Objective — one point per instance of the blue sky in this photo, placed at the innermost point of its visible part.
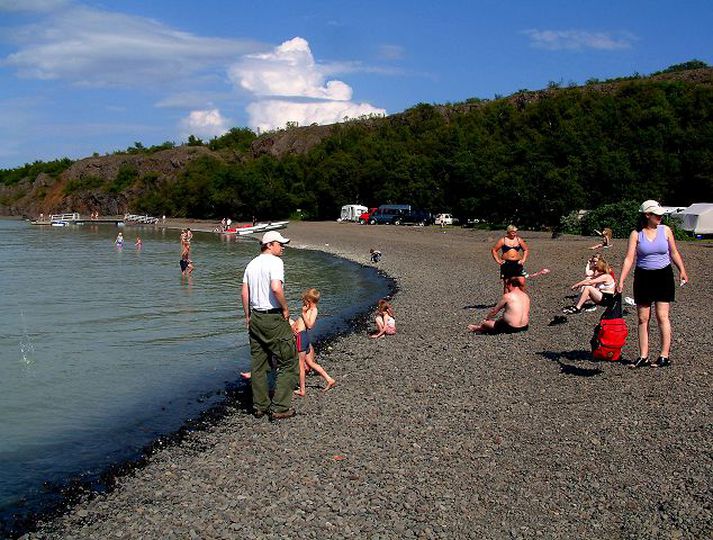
(78, 77)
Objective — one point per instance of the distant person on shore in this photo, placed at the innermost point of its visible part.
(599, 289)
(516, 317)
(301, 328)
(267, 318)
(374, 255)
(385, 320)
(119, 242)
(652, 248)
(606, 241)
(514, 253)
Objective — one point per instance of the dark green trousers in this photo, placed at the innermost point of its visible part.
(271, 336)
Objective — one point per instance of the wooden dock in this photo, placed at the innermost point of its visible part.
(75, 218)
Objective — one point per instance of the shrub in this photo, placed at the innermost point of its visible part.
(619, 217)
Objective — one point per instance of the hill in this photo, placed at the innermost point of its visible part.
(530, 157)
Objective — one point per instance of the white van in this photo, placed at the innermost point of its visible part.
(351, 212)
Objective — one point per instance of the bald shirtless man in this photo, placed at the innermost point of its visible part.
(516, 317)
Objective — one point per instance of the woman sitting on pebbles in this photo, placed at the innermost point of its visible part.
(514, 252)
(599, 288)
(385, 321)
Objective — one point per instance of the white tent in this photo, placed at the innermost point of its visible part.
(697, 218)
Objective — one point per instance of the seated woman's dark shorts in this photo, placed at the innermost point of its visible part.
(511, 269)
(654, 286)
(502, 327)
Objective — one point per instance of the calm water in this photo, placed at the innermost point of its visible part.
(103, 349)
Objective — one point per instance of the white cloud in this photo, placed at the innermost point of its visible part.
(579, 39)
(274, 114)
(290, 71)
(95, 47)
(206, 123)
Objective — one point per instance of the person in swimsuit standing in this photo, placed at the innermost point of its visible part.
(301, 328)
(514, 253)
(653, 248)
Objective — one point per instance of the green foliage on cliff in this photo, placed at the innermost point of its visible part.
(504, 161)
(529, 159)
(30, 171)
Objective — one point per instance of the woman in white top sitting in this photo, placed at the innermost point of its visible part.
(599, 288)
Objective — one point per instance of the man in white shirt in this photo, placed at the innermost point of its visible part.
(267, 317)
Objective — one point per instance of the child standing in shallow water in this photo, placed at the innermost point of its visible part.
(301, 328)
(385, 321)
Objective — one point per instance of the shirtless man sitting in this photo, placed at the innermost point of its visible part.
(516, 317)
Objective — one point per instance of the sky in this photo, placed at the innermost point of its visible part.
(79, 77)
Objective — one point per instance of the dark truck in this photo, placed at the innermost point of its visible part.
(415, 217)
(388, 214)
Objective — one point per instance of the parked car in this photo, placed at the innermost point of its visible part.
(415, 217)
(364, 217)
(386, 216)
(445, 219)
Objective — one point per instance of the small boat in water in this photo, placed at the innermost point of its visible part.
(59, 223)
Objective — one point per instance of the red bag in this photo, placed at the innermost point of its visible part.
(609, 338)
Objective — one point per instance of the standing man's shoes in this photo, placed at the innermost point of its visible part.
(259, 414)
(289, 413)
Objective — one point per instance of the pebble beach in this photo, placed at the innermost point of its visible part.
(438, 433)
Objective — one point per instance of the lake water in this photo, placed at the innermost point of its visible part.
(104, 349)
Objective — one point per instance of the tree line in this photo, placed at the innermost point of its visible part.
(523, 159)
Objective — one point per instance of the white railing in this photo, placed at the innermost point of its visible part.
(74, 216)
(140, 219)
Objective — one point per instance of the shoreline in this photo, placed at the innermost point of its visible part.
(443, 434)
(81, 489)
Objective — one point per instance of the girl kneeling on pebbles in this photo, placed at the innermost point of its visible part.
(653, 247)
(385, 322)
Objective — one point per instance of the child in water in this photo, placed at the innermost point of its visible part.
(385, 321)
(301, 328)
(119, 242)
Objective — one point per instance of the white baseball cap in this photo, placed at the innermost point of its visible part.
(274, 236)
(652, 207)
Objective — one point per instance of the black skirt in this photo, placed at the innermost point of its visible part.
(654, 286)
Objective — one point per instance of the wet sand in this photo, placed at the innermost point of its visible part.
(438, 433)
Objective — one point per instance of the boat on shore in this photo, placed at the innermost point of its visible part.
(257, 228)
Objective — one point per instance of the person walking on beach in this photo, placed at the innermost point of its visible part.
(652, 247)
(385, 320)
(267, 318)
(516, 317)
(301, 327)
(514, 253)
